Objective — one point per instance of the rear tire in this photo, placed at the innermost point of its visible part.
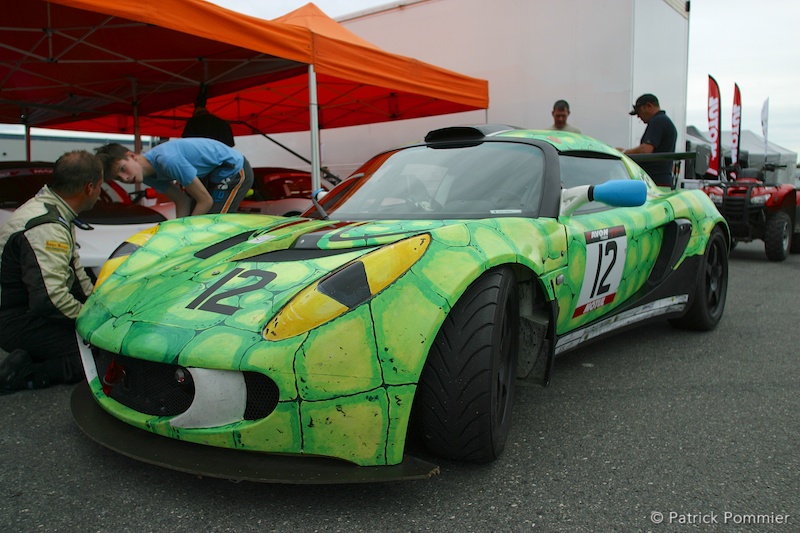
(778, 236)
(711, 289)
(466, 390)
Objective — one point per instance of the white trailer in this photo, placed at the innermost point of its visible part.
(599, 55)
(49, 145)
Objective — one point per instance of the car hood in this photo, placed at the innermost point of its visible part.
(106, 214)
(232, 273)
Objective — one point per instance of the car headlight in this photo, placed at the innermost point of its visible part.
(761, 199)
(348, 287)
(122, 253)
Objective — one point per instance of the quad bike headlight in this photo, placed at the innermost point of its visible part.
(346, 288)
(716, 198)
(761, 199)
(122, 253)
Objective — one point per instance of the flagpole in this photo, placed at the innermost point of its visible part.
(765, 127)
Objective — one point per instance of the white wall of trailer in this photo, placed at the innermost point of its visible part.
(661, 60)
(597, 54)
(49, 145)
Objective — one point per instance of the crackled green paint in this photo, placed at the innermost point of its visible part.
(346, 385)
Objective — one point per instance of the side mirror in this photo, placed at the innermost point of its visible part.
(616, 193)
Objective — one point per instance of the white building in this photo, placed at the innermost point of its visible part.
(599, 55)
(49, 145)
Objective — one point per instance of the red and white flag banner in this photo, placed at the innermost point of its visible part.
(714, 123)
(736, 127)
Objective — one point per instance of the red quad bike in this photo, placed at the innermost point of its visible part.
(755, 209)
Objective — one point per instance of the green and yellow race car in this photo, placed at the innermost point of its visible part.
(414, 295)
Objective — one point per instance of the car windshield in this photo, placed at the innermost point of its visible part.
(481, 180)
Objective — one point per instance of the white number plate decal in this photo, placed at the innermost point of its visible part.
(605, 261)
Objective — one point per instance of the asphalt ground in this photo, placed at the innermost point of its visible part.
(655, 430)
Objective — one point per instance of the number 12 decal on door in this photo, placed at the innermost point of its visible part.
(605, 260)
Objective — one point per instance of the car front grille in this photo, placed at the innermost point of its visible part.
(161, 389)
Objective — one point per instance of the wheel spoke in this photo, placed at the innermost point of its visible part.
(715, 277)
(711, 287)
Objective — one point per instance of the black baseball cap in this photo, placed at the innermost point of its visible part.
(646, 98)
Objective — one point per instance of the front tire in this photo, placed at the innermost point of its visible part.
(778, 236)
(711, 289)
(466, 390)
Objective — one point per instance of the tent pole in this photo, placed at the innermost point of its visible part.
(314, 120)
(137, 136)
(27, 142)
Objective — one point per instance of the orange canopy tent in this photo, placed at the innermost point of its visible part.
(97, 64)
(356, 83)
(94, 65)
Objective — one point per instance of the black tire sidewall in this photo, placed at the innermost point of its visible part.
(507, 317)
(718, 241)
(457, 408)
(699, 316)
(778, 224)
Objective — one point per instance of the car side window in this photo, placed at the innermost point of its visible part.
(15, 191)
(577, 170)
(288, 187)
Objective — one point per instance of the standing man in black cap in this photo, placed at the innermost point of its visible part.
(659, 137)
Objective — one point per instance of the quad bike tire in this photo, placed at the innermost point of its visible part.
(466, 390)
(778, 236)
(711, 288)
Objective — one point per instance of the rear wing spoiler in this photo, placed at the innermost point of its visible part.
(694, 161)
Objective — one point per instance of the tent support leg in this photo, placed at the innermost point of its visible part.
(313, 109)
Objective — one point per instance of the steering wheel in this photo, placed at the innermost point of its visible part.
(138, 195)
(506, 198)
(428, 204)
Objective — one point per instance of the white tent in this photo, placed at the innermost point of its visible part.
(753, 152)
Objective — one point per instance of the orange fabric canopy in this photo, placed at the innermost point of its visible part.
(94, 65)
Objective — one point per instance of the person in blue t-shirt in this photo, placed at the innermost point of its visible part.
(199, 175)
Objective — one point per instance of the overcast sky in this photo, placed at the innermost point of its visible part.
(749, 42)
